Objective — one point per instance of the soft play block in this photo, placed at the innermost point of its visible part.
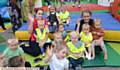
(110, 25)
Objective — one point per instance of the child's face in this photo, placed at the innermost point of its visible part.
(86, 16)
(62, 53)
(61, 28)
(97, 25)
(86, 30)
(13, 46)
(63, 9)
(74, 38)
(58, 37)
(52, 9)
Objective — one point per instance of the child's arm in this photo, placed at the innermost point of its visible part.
(2, 56)
(49, 54)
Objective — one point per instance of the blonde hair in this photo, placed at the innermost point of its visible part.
(98, 21)
(60, 46)
(85, 26)
(74, 33)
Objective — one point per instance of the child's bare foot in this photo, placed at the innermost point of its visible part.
(93, 57)
(105, 57)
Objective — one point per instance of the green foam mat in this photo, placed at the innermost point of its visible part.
(3, 47)
(97, 62)
(31, 60)
(2, 39)
(115, 46)
(113, 59)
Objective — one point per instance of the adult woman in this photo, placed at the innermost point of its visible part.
(34, 48)
(86, 19)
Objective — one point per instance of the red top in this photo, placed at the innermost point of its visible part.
(35, 25)
(97, 33)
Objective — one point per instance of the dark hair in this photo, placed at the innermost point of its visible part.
(86, 11)
(36, 10)
(15, 61)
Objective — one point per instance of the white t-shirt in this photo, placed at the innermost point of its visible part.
(57, 64)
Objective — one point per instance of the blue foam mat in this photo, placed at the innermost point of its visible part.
(4, 12)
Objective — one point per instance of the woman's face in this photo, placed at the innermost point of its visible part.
(39, 14)
(86, 16)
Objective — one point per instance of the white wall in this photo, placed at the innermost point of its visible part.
(105, 2)
(38, 3)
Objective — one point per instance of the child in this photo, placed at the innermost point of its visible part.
(78, 2)
(86, 18)
(57, 60)
(98, 35)
(42, 37)
(63, 16)
(16, 61)
(86, 37)
(12, 50)
(65, 36)
(76, 50)
(53, 19)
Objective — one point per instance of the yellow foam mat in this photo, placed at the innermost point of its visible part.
(110, 35)
(8, 26)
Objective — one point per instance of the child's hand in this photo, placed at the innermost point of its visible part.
(94, 32)
(86, 43)
(49, 51)
(98, 33)
(41, 44)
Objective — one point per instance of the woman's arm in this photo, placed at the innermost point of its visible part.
(30, 23)
(78, 25)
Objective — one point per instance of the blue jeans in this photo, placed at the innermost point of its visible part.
(75, 62)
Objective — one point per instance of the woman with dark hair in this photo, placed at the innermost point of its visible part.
(86, 19)
(33, 48)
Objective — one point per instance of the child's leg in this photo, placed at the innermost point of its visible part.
(102, 45)
(86, 52)
(73, 62)
(93, 49)
(89, 53)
